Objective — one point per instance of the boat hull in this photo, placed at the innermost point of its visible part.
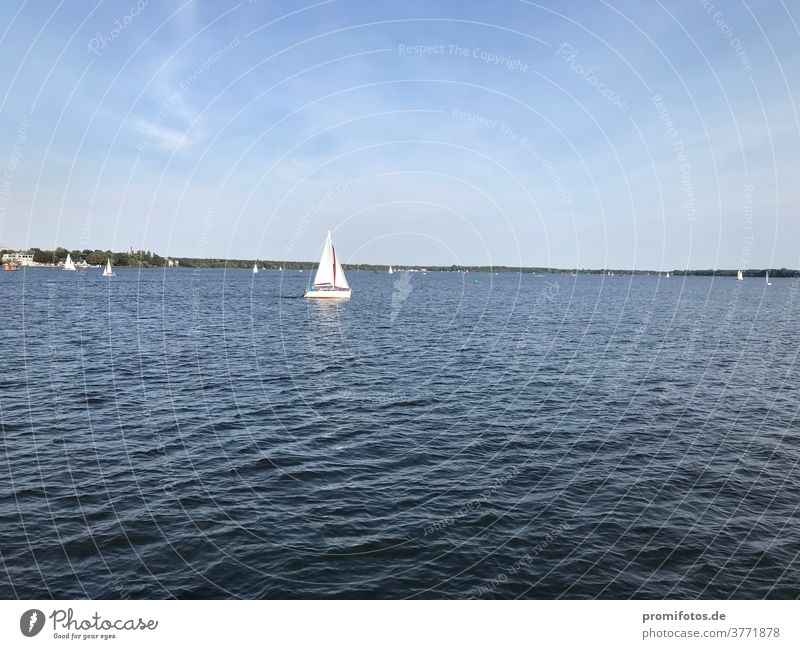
(336, 294)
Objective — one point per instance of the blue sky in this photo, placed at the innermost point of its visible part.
(621, 134)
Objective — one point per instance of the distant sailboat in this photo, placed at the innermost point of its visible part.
(667, 275)
(255, 268)
(390, 270)
(69, 264)
(329, 281)
(280, 268)
(739, 276)
(767, 280)
(108, 272)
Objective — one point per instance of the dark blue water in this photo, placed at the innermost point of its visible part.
(210, 434)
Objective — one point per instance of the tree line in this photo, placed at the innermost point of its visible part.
(148, 259)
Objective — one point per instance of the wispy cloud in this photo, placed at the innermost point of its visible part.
(166, 139)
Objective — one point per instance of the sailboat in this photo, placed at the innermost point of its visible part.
(255, 268)
(69, 264)
(329, 281)
(280, 268)
(739, 275)
(767, 280)
(667, 275)
(108, 272)
(390, 270)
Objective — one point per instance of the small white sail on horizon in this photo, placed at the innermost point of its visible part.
(255, 268)
(739, 276)
(108, 272)
(69, 264)
(329, 282)
(391, 270)
(767, 280)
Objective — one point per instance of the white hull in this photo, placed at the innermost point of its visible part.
(338, 294)
(329, 282)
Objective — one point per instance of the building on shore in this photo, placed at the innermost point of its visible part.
(19, 258)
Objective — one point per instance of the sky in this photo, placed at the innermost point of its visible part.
(621, 134)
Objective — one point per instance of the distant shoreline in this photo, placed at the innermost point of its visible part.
(147, 259)
(377, 268)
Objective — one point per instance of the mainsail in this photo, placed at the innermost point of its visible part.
(329, 272)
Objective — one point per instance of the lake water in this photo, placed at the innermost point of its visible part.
(209, 433)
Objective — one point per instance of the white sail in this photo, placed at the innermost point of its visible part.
(255, 268)
(739, 275)
(767, 280)
(326, 268)
(108, 272)
(69, 264)
(339, 280)
(390, 270)
(330, 281)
